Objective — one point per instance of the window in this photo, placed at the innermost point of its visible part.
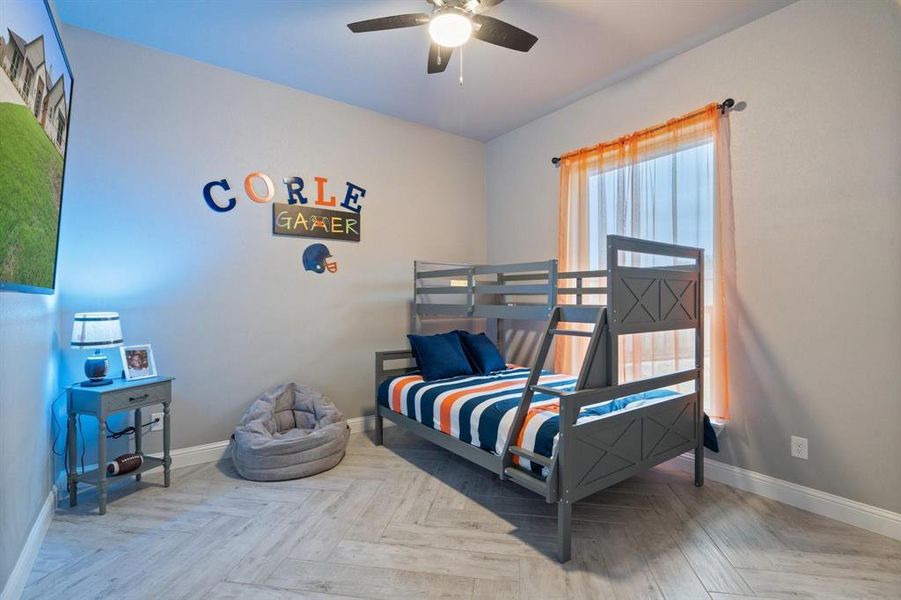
(15, 64)
(667, 198)
(669, 183)
(26, 85)
(37, 101)
(60, 127)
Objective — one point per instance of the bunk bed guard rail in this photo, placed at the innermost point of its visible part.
(517, 291)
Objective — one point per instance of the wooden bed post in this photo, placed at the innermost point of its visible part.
(564, 481)
(699, 382)
(379, 376)
(612, 317)
(499, 323)
(379, 425)
(564, 530)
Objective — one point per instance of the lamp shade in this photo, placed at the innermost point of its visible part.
(96, 330)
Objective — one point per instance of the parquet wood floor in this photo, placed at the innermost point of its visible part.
(409, 520)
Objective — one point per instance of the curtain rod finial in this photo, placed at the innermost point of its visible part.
(727, 104)
(555, 161)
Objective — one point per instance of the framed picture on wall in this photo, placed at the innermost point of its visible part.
(35, 98)
(137, 362)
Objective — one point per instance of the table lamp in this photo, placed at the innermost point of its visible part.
(94, 331)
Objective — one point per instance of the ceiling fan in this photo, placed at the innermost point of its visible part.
(451, 24)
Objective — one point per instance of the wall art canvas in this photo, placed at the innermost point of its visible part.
(35, 102)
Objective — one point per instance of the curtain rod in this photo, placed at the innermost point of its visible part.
(725, 105)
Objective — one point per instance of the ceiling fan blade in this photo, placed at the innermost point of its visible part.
(439, 56)
(489, 3)
(394, 22)
(497, 32)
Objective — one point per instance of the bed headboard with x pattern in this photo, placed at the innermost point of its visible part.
(648, 299)
(659, 298)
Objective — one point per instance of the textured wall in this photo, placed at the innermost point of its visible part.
(228, 308)
(28, 369)
(817, 349)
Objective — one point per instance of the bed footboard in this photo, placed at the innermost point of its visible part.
(609, 450)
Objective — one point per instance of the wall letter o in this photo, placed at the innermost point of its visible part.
(208, 196)
(248, 187)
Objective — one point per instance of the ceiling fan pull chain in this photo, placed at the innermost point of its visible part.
(461, 66)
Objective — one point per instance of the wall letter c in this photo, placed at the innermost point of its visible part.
(208, 196)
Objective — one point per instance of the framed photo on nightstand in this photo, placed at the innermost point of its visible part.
(137, 362)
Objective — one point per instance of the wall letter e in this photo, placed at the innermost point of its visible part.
(352, 198)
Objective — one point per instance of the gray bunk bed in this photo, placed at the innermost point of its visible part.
(596, 454)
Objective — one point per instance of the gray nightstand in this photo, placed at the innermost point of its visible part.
(101, 402)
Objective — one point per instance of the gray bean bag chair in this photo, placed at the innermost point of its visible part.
(290, 432)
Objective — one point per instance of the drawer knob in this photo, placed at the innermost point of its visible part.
(138, 398)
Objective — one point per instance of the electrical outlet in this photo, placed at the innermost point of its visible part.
(799, 447)
(158, 426)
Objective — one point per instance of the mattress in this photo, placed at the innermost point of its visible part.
(479, 410)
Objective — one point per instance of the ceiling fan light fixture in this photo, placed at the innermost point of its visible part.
(450, 28)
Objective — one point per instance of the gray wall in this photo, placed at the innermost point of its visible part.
(28, 385)
(228, 308)
(28, 369)
(817, 347)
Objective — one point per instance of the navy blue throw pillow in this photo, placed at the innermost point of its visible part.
(482, 353)
(710, 440)
(439, 356)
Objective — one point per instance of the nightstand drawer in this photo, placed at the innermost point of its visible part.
(134, 398)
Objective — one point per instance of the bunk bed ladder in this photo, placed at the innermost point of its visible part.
(521, 477)
(593, 373)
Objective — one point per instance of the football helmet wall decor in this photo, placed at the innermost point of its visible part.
(316, 258)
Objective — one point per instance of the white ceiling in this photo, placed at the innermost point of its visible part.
(582, 46)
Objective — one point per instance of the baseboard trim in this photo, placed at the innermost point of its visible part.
(198, 455)
(871, 518)
(364, 424)
(21, 571)
(212, 452)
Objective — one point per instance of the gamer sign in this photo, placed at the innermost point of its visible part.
(304, 221)
(299, 216)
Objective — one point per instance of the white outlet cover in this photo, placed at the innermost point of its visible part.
(159, 425)
(799, 447)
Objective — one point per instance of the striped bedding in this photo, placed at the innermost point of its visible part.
(479, 409)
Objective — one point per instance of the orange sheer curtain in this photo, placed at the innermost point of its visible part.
(628, 158)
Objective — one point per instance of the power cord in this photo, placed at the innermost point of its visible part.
(84, 446)
(59, 430)
(115, 435)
